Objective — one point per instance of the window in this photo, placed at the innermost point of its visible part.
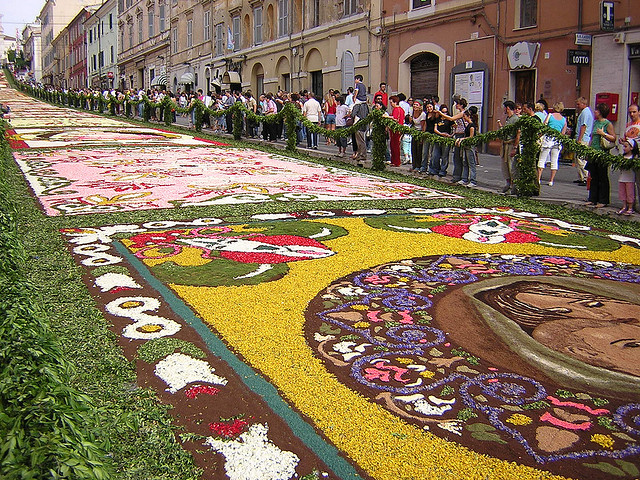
(113, 58)
(351, 7)
(150, 17)
(111, 21)
(140, 30)
(315, 18)
(283, 17)
(257, 25)
(189, 33)
(528, 14)
(122, 38)
(131, 36)
(101, 59)
(91, 36)
(93, 62)
(174, 40)
(163, 25)
(207, 26)
(421, 3)
(220, 39)
(236, 32)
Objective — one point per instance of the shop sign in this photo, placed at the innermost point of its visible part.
(523, 54)
(583, 39)
(607, 17)
(634, 51)
(578, 57)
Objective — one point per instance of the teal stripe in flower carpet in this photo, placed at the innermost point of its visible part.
(256, 383)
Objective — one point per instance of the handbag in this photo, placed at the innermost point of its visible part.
(606, 144)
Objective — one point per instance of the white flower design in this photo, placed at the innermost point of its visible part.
(254, 457)
(111, 280)
(178, 370)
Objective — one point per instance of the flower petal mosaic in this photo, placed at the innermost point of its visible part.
(372, 343)
(70, 181)
(416, 350)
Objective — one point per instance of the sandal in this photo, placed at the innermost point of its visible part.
(622, 211)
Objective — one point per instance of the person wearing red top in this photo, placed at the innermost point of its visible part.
(383, 93)
(397, 113)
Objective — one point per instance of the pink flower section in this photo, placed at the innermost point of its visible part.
(73, 181)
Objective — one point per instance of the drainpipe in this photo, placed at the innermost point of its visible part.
(579, 68)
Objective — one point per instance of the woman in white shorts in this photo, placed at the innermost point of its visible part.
(550, 150)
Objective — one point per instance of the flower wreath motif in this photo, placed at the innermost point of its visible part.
(378, 329)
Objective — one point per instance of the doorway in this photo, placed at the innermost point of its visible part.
(425, 69)
(524, 86)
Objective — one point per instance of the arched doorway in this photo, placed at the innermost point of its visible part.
(314, 67)
(283, 69)
(425, 70)
(257, 79)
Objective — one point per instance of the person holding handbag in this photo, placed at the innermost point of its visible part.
(550, 149)
(602, 130)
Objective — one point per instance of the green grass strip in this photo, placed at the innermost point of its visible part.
(43, 420)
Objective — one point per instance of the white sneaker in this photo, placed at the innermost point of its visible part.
(551, 184)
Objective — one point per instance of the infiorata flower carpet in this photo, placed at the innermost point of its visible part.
(382, 343)
(75, 181)
(443, 343)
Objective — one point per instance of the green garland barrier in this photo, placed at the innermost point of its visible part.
(530, 130)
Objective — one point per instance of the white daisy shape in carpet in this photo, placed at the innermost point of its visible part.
(178, 370)
(111, 280)
(254, 457)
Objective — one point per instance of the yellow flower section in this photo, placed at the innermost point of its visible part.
(265, 322)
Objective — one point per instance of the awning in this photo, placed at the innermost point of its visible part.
(215, 83)
(160, 79)
(231, 77)
(187, 78)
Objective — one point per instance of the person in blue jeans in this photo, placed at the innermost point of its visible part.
(440, 156)
(470, 117)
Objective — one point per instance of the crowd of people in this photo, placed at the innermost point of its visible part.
(336, 110)
(592, 129)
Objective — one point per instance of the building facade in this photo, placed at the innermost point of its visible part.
(491, 51)
(78, 49)
(271, 45)
(59, 71)
(102, 46)
(143, 28)
(32, 48)
(54, 16)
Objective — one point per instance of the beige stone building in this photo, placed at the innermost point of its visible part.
(32, 48)
(54, 16)
(267, 45)
(143, 45)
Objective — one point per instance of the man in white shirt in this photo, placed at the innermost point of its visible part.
(312, 110)
(404, 104)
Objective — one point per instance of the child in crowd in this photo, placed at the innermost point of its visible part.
(342, 112)
(627, 180)
(406, 149)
